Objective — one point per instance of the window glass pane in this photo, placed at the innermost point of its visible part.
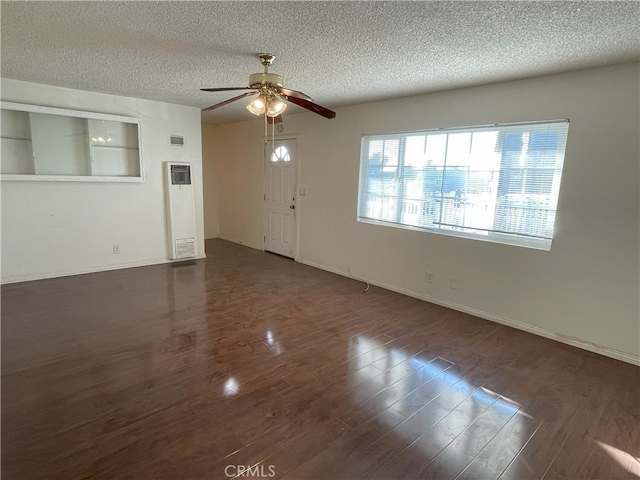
(484, 155)
(280, 154)
(415, 153)
(458, 149)
(436, 149)
(382, 185)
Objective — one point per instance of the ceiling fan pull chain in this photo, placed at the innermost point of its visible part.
(266, 131)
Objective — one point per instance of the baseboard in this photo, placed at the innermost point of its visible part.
(106, 268)
(558, 337)
(244, 244)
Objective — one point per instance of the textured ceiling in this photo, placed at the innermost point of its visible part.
(338, 53)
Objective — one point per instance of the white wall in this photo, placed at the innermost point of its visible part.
(233, 155)
(59, 228)
(583, 292)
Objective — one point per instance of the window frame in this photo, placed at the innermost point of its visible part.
(492, 236)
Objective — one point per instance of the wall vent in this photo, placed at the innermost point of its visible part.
(185, 248)
(177, 140)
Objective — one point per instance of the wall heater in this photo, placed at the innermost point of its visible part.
(181, 207)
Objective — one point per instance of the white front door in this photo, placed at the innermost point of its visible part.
(280, 197)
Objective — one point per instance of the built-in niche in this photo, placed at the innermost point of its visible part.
(43, 143)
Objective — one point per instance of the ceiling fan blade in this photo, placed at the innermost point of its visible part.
(304, 101)
(221, 104)
(276, 120)
(293, 93)
(314, 107)
(225, 89)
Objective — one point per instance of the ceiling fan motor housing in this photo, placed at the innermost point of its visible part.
(258, 79)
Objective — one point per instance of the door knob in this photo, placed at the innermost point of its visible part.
(292, 207)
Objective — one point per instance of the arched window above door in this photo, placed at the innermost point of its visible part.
(280, 154)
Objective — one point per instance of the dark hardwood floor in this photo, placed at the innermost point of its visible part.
(203, 369)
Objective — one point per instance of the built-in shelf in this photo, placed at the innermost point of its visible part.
(42, 143)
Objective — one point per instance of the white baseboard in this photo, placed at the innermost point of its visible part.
(105, 268)
(573, 341)
(244, 244)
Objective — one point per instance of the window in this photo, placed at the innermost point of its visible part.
(280, 154)
(497, 183)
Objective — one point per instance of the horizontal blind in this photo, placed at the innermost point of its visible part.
(383, 171)
(498, 180)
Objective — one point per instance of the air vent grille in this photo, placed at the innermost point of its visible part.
(177, 140)
(186, 248)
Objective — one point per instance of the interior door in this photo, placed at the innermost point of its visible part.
(280, 214)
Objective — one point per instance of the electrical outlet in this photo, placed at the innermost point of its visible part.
(454, 284)
(429, 277)
(116, 249)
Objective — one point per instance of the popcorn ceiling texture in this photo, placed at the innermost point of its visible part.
(338, 53)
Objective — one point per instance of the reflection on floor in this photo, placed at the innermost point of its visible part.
(248, 365)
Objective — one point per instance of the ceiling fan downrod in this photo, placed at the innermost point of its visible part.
(266, 59)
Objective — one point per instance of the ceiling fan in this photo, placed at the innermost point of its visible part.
(270, 94)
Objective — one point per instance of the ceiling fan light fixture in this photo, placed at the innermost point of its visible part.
(258, 105)
(276, 107)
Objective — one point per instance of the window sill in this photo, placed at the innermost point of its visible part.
(533, 243)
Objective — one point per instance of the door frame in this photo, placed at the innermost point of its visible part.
(298, 210)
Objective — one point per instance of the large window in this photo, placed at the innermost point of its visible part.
(498, 183)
